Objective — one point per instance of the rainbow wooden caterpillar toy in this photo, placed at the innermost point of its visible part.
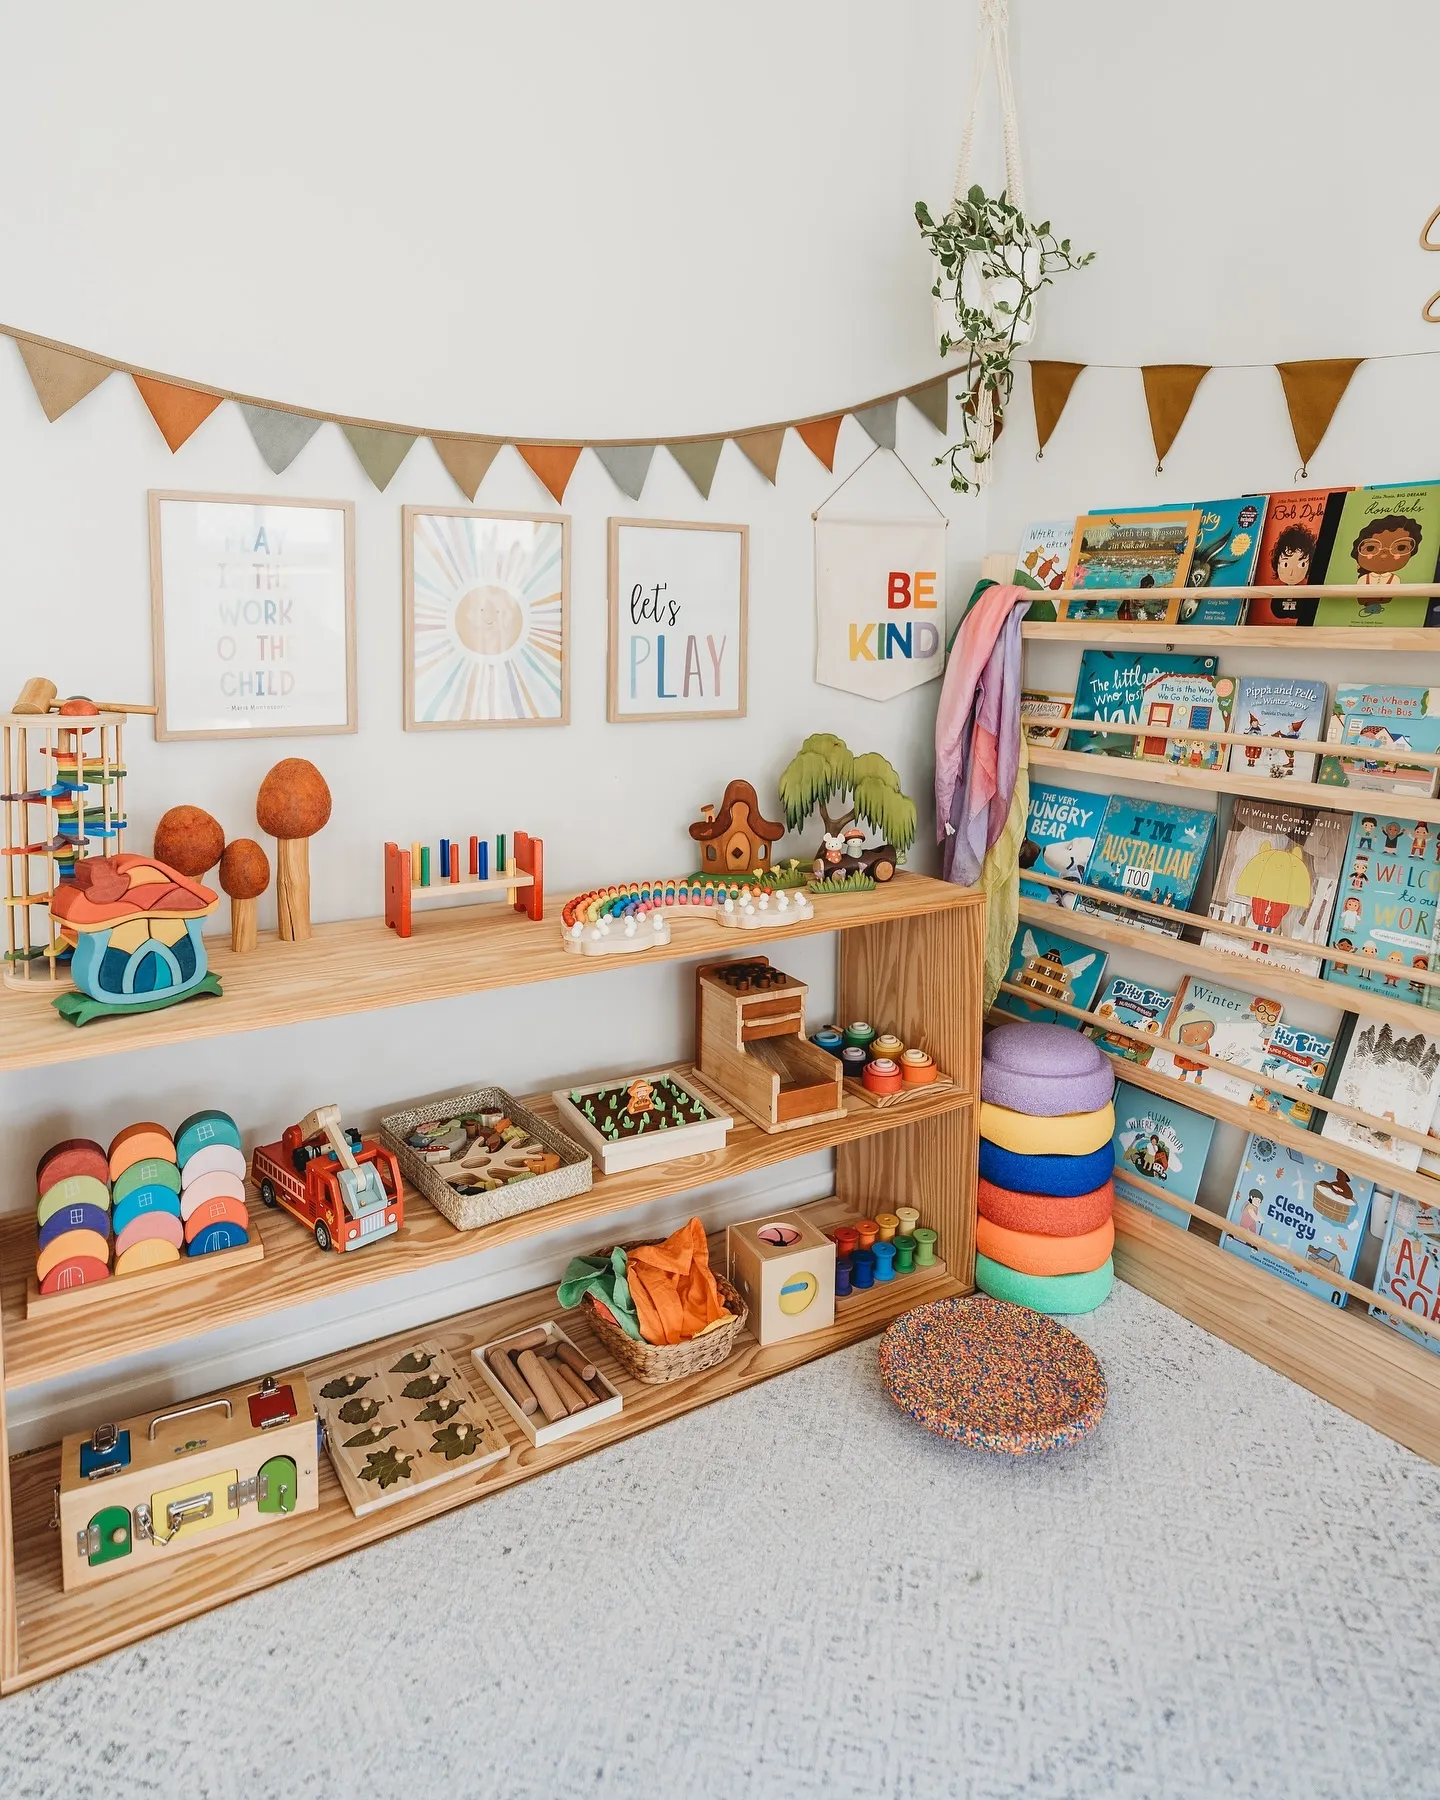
(631, 916)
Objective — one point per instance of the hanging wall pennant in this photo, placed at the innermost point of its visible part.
(820, 437)
(678, 620)
(878, 423)
(879, 604)
(699, 462)
(178, 411)
(279, 436)
(627, 465)
(467, 462)
(1312, 392)
(933, 400)
(1050, 385)
(380, 452)
(762, 448)
(552, 465)
(1169, 391)
(59, 380)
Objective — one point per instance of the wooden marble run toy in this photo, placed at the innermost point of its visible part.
(345, 1188)
(411, 875)
(785, 1271)
(62, 798)
(882, 1249)
(634, 915)
(750, 1034)
(547, 1385)
(143, 1492)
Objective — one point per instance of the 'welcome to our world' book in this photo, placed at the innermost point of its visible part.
(1060, 830)
(1136, 1004)
(1271, 706)
(1111, 685)
(1383, 716)
(1386, 541)
(1386, 912)
(1166, 1143)
(1151, 851)
(1052, 968)
(1409, 1267)
(1278, 875)
(1305, 1205)
(1230, 1024)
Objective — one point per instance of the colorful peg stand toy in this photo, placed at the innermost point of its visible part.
(462, 867)
(785, 1271)
(884, 1255)
(884, 1249)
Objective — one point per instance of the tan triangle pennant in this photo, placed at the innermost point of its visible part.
(1169, 391)
(878, 423)
(553, 465)
(698, 461)
(279, 436)
(467, 461)
(1312, 392)
(59, 379)
(178, 411)
(380, 453)
(1050, 385)
(762, 448)
(933, 400)
(820, 436)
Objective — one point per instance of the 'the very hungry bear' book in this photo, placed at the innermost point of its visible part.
(1059, 836)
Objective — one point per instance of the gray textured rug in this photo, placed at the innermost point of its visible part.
(1231, 1589)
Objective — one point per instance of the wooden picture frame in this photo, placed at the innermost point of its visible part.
(317, 619)
(448, 668)
(687, 666)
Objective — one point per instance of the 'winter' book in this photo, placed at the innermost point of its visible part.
(1052, 968)
(1278, 875)
(1133, 550)
(1386, 541)
(1199, 702)
(1111, 685)
(1060, 830)
(1272, 707)
(1138, 1005)
(1383, 716)
(1150, 851)
(1300, 1058)
(1409, 1267)
(1228, 1023)
(1392, 1074)
(1386, 907)
(1166, 1143)
(1294, 546)
(1301, 1204)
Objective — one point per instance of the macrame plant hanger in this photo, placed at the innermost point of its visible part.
(994, 45)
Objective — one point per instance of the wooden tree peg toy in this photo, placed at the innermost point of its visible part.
(292, 805)
(244, 875)
(823, 770)
(188, 839)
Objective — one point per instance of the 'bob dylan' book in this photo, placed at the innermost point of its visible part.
(1224, 557)
(1409, 1267)
(1131, 550)
(1052, 968)
(1150, 851)
(1386, 541)
(1383, 716)
(1385, 912)
(1300, 1204)
(1278, 876)
(1111, 685)
(1060, 830)
(1232, 1025)
(1138, 1005)
(1294, 548)
(1269, 706)
(1166, 1143)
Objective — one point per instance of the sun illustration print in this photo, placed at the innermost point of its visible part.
(487, 620)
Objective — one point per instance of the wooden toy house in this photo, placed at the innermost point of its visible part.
(737, 839)
(752, 1048)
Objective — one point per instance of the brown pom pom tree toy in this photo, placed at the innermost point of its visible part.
(292, 805)
(244, 875)
(190, 840)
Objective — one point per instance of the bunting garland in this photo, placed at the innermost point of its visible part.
(63, 375)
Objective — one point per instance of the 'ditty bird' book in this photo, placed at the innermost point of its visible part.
(1136, 1004)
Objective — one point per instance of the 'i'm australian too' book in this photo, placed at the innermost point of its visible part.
(1151, 851)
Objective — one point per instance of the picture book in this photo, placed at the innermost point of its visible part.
(1224, 556)
(1301, 1058)
(1273, 707)
(1278, 875)
(1052, 968)
(1300, 1204)
(1151, 851)
(1138, 1005)
(1203, 702)
(1294, 545)
(1037, 707)
(1044, 555)
(1409, 1267)
(1111, 685)
(1386, 540)
(1060, 833)
(1232, 1024)
(1393, 1074)
(1132, 550)
(1385, 911)
(1163, 1141)
(1385, 716)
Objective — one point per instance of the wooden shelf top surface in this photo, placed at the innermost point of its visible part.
(295, 1272)
(358, 965)
(57, 1631)
(1121, 634)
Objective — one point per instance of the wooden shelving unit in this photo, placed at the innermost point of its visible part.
(909, 954)
(1342, 1354)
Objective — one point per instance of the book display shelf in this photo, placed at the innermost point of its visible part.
(1337, 1351)
(909, 953)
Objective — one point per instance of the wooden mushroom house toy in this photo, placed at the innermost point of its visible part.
(244, 875)
(292, 805)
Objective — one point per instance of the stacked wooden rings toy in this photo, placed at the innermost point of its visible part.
(213, 1206)
(72, 1211)
(878, 1060)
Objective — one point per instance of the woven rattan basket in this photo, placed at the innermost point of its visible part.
(657, 1363)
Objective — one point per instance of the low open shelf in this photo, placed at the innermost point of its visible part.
(57, 1631)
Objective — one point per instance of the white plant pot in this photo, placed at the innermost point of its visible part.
(985, 293)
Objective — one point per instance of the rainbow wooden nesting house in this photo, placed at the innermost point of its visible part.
(134, 926)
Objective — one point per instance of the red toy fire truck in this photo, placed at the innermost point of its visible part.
(346, 1189)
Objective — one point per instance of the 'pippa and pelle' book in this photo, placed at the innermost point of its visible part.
(1269, 706)
(1164, 1142)
(1278, 875)
(1301, 1204)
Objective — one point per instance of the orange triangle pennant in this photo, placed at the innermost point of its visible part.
(553, 464)
(1169, 390)
(1050, 385)
(819, 437)
(178, 411)
(1312, 392)
(60, 379)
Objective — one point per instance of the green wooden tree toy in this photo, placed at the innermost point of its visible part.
(823, 771)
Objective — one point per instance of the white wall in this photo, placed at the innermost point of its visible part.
(624, 219)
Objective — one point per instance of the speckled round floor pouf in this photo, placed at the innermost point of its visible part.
(992, 1376)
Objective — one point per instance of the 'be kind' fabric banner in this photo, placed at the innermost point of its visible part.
(879, 604)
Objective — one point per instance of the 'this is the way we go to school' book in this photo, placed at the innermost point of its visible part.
(1111, 685)
(1175, 702)
(1164, 1142)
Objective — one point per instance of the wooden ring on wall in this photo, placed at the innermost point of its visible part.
(1427, 311)
(1425, 239)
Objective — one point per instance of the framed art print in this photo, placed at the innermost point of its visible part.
(252, 615)
(487, 618)
(678, 620)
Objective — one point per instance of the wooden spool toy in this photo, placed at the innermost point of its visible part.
(519, 876)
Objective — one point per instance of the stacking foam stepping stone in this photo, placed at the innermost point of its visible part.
(72, 1216)
(1045, 1235)
(145, 1198)
(213, 1209)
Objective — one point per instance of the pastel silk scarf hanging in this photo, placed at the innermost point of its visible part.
(673, 1288)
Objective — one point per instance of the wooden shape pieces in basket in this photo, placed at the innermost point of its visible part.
(479, 1152)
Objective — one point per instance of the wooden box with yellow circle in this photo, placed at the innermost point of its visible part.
(141, 1493)
(785, 1269)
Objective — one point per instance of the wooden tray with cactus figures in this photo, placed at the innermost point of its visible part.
(634, 1120)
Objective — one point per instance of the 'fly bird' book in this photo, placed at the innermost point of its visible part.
(1301, 1059)
(1163, 1141)
(1278, 876)
(1303, 1205)
(1269, 706)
